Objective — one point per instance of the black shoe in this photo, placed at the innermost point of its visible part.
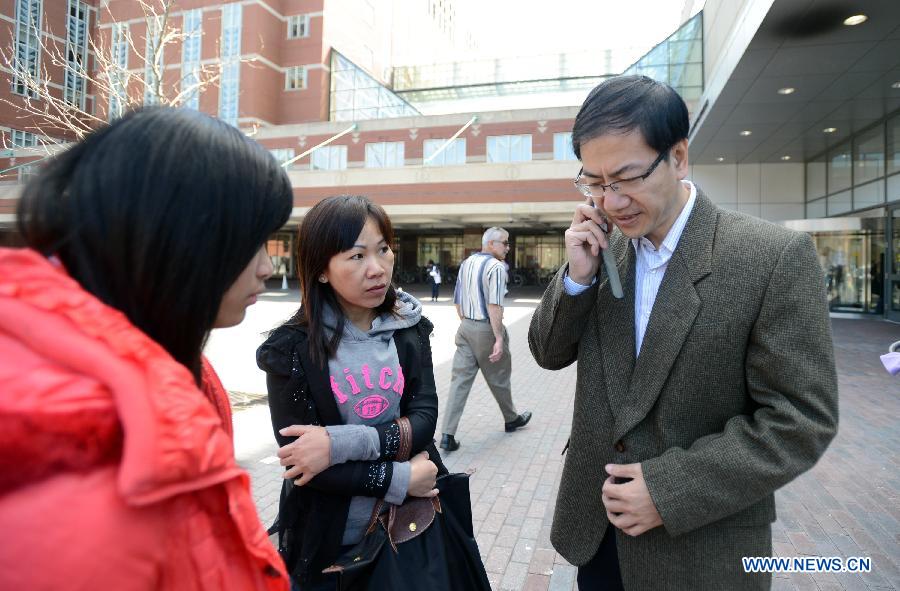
(520, 421)
(449, 443)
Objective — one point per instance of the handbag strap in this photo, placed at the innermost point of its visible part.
(405, 439)
(403, 452)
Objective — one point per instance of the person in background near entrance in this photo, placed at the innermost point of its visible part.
(355, 357)
(707, 387)
(117, 466)
(481, 340)
(877, 288)
(434, 272)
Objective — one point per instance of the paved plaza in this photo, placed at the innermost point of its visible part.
(848, 505)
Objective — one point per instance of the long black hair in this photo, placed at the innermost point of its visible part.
(156, 215)
(332, 227)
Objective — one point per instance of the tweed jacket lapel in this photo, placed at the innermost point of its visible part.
(615, 329)
(677, 305)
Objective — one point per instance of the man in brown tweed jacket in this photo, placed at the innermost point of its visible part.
(710, 384)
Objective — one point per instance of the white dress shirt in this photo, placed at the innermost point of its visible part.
(650, 268)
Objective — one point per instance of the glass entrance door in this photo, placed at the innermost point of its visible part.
(892, 264)
(853, 262)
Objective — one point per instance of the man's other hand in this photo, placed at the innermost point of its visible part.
(628, 505)
(497, 351)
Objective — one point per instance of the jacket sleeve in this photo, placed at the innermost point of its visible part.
(291, 404)
(286, 385)
(558, 322)
(790, 375)
(363, 479)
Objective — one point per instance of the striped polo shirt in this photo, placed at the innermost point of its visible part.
(481, 281)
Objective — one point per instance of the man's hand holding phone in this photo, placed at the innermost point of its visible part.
(584, 239)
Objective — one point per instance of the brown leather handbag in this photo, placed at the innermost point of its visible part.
(413, 545)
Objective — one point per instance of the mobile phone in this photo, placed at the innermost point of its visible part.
(609, 263)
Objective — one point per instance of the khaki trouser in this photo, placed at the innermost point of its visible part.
(474, 343)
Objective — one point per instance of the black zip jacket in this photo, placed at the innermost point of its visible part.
(312, 518)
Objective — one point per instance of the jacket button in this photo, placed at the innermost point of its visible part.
(619, 446)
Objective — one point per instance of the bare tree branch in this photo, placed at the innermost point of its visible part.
(43, 106)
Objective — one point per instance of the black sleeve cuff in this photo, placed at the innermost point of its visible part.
(389, 438)
(378, 479)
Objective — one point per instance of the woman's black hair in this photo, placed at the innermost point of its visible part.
(332, 227)
(625, 103)
(157, 214)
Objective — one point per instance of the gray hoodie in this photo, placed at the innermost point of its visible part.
(368, 383)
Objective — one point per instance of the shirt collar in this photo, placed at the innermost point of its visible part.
(671, 240)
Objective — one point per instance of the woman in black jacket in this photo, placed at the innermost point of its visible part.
(355, 357)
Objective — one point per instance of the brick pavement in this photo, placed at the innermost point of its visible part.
(847, 505)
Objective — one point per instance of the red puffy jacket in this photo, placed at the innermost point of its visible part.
(116, 471)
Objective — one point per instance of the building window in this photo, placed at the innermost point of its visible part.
(816, 209)
(232, 16)
(280, 247)
(840, 203)
(509, 148)
(384, 155)
(76, 53)
(815, 179)
(562, 146)
(538, 256)
(27, 172)
(119, 71)
(192, 29)
(329, 158)
(298, 26)
(446, 251)
(356, 96)
(454, 153)
(229, 86)
(228, 93)
(153, 61)
(295, 78)
(893, 145)
(868, 195)
(868, 155)
(23, 139)
(282, 155)
(858, 174)
(677, 61)
(840, 169)
(28, 48)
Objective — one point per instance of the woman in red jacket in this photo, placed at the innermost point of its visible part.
(117, 466)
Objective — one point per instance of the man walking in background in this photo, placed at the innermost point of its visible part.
(482, 341)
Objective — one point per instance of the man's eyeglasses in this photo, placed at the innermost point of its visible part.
(588, 190)
(503, 242)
